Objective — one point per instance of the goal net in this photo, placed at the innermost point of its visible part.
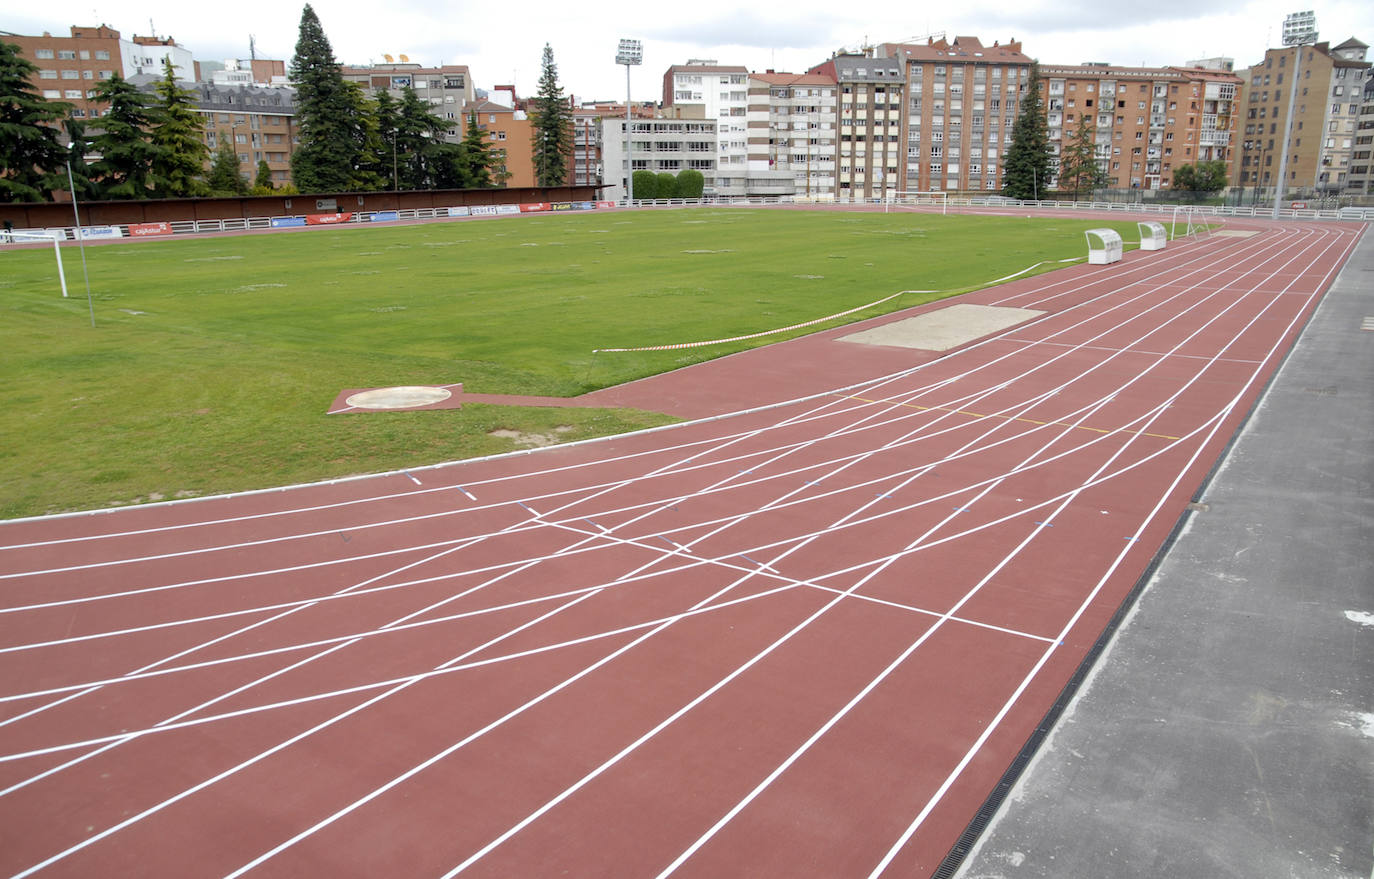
(923, 201)
(1191, 221)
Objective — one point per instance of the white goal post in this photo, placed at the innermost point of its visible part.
(903, 199)
(16, 237)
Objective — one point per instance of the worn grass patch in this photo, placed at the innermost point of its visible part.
(213, 361)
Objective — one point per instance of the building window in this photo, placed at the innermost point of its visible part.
(66, 54)
(42, 53)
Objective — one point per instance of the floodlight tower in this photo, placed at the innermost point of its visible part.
(630, 53)
(1299, 29)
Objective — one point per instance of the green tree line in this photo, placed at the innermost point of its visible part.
(154, 145)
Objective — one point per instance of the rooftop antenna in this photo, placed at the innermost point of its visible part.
(252, 48)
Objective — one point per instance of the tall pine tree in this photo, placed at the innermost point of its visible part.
(1028, 157)
(552, 124)
(128, 155)
(31, 153)
(179, 134)
(329, 151)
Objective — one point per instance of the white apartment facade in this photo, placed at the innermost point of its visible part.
(722, 94)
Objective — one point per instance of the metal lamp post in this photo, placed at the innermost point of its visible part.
(1299, 29)
(630, 53)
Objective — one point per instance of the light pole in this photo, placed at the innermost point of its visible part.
(1299, 29)
(630, 53)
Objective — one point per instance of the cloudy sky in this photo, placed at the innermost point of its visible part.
(503, 44)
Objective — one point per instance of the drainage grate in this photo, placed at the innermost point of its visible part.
(1367, 324)
(1328, 391)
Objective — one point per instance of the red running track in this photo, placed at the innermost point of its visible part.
(799, 641)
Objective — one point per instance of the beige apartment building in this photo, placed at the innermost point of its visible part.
(792, 135)
(446, 89)
(1326, 112)
(962, 99)
(1144, 121)
(869, 154)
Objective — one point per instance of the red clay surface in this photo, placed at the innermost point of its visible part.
(805, 640)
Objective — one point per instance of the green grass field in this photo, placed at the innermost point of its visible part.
(213, 361)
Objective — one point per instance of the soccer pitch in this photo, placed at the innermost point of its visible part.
(213, 361)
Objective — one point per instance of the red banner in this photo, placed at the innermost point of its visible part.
(327, 219)
(534, 208)
(605, 204)
(139, 230)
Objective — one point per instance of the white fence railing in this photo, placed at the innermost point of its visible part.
(1355, 214)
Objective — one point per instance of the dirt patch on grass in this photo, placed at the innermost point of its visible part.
(533, 440)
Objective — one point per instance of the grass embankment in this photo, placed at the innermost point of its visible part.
(213, 361)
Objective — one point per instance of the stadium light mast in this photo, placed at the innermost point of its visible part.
(1299, 29)
(630, 53)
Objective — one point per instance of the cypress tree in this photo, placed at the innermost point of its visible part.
(1028, 157)
(30, 152)
(552, 124)
(179, 134)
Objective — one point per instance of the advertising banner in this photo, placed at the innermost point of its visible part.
(283, 222)
(508, 209)
(534, 207)
(605, 204)
(384, 216)
(142, 230)
(328, 219)
(484, 210)
(460, 212)
(91, 233)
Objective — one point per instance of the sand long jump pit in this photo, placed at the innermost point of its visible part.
(944, 328)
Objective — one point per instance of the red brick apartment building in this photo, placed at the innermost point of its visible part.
(69, 67)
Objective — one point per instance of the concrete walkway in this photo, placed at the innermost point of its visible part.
(1228, 731)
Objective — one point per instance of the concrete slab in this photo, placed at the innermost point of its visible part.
(944, 328)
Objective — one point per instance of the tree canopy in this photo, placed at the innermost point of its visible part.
(1028, 158)
(330, 152)
(1078, 168)
(128, 157)
(178, 133)
(552, 127)
(1204, 177)
(30, 152)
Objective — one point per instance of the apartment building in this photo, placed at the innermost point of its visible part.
(259, 121)
(446, 89)
(242, 71)
(792, 135)
(1361, 180)
(722, 94)
(145, 55)
(1144, 121)
(510, 133)
(870, 152)
(587, 164)
(660, 144)
(962, 100)
(69, 67)
(1326, 112)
